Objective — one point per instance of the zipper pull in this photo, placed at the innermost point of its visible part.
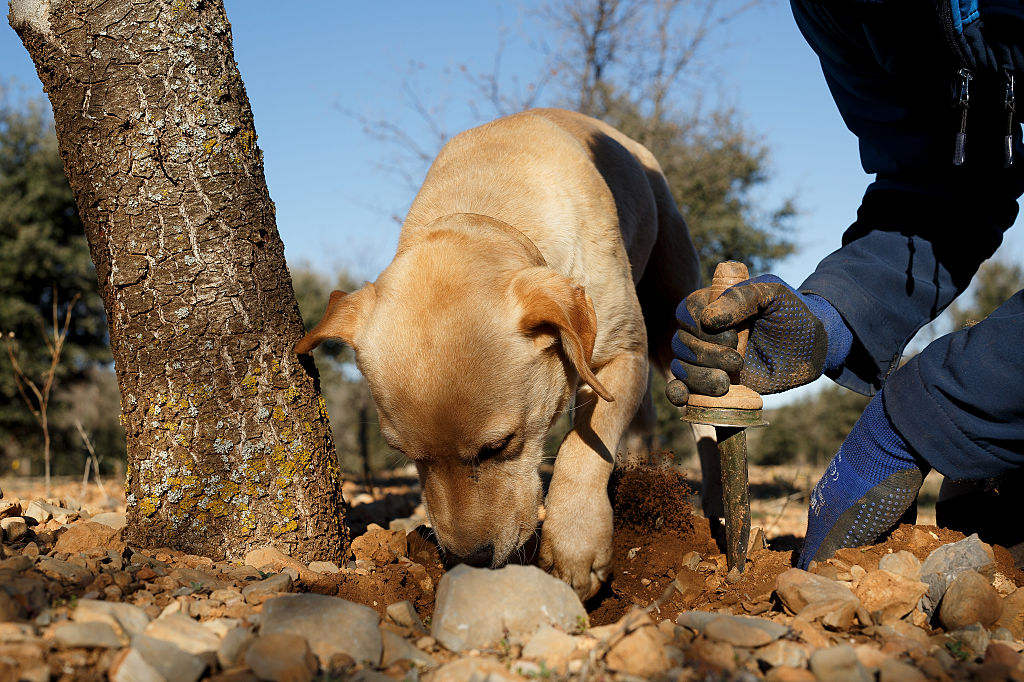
(963, 101)
(1010, 104)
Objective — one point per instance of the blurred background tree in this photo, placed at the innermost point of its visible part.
(45, 255)
(361, 448)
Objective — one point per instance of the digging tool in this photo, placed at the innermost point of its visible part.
(731, 414)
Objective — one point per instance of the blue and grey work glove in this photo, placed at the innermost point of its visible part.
(869, 484)
(794, 338)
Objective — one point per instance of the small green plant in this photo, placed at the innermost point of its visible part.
(957, 650)
(582, 624)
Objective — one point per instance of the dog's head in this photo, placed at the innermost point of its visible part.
(471, 353)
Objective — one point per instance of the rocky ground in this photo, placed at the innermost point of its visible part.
(77, 603)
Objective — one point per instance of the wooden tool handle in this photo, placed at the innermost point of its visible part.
(739, 396)
(726, 274)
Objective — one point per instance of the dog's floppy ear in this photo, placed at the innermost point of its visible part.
(554, 301)
(342, 320)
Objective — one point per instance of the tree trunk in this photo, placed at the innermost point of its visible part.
(229, 446)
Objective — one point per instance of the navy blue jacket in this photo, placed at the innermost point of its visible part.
(941, 200)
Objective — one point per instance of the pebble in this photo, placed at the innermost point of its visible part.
(1012, 617)
(331, 625)
(65, 570)
(519, 600)
(324, 567)
(124, 618)
(281, 657)
(14, 528)
(88, 535)
(185, 633)
(200, 580)
(889, 595)
(115, 520)
(975, 637)
(784, 652)
(797, 589)
(718, 655)
(946, 562)
(640, 653)
(9, 508)
(9, 608)
(901, 563)
(259, 592)
(839, 663)
(233, 646)
(894, 670)
(132, 667)
(170, 661)
(273, 560)
(404, 613)
(83, 635)
(550, 645)
(397, 648)
(473, 670)
(970, 598)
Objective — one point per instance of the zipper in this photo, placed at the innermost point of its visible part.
(964, 75)
(963, 103)
(1010, 105)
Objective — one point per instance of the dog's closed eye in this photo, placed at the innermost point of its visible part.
(494, 449)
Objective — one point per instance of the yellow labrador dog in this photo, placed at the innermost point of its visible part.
(537, 249)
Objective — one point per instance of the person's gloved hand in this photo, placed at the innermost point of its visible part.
(793, 339)
(869, 484)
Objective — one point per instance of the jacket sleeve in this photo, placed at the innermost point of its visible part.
(924, 226)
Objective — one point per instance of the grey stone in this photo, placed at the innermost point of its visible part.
(281, 658)
(233, 646)
(258, 592)
(185, 633)
(14, 528)
(699, 621)
(170, 661)
(331, 625)
(115, 520)
(518, 599)
(948, 561)
(404, 613)
(397, 648)
(124, 618)
(86, 635)
(839, 663)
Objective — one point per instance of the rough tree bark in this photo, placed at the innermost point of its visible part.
(229, 446)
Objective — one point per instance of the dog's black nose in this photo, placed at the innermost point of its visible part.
(481, 557)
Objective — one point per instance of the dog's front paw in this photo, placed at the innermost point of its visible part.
(576, 542)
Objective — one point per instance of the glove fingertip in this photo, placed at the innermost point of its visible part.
(677, 393)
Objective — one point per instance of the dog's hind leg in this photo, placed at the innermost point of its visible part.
(637, 444)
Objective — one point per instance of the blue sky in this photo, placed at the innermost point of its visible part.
(304, 69)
